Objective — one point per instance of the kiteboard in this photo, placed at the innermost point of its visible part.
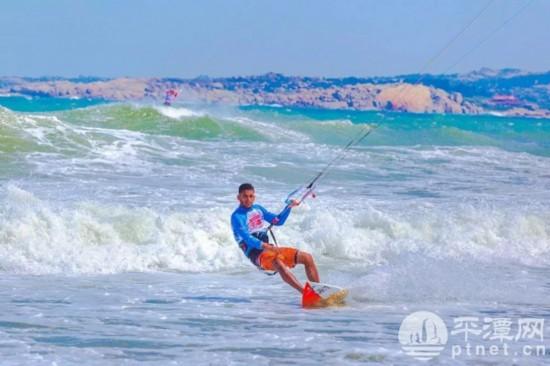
(320, 295)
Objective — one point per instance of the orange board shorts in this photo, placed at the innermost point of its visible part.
(287, 255)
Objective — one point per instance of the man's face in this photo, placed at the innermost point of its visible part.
(247, 197)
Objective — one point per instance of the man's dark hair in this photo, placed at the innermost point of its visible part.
(245, 187)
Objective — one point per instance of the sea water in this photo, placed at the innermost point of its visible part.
(116, 248)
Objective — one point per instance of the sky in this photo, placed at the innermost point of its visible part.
(179, 38)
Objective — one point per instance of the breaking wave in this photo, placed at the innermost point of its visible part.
(271, 125)
(89, 237)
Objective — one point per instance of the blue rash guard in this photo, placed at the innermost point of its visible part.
(249, 229)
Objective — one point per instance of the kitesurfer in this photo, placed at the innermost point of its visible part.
(250, 233)
(170, 96)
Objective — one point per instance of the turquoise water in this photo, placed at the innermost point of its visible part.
(125, 208)
(45, 104)
(512, 134)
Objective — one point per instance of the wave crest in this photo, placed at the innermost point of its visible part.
(97, 238)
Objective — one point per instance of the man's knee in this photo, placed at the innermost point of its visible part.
(305, 258)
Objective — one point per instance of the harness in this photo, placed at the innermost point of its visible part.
(253, 254)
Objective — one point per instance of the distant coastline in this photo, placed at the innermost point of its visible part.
(507, 92)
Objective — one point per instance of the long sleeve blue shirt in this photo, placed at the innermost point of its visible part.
(248, 221)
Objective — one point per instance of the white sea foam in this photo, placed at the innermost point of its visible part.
(91, 238)
(37, 237)
(178, 112)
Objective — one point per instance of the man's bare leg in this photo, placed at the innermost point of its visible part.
(311, 269)
(286, 275)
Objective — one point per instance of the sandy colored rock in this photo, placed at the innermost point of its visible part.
(277, 89)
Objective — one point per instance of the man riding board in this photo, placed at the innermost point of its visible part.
(250, 233)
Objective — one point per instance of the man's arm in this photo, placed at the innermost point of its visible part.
(279, 219)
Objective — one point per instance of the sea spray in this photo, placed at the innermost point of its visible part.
(90, 237)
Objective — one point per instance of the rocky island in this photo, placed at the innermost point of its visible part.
(506, 92)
